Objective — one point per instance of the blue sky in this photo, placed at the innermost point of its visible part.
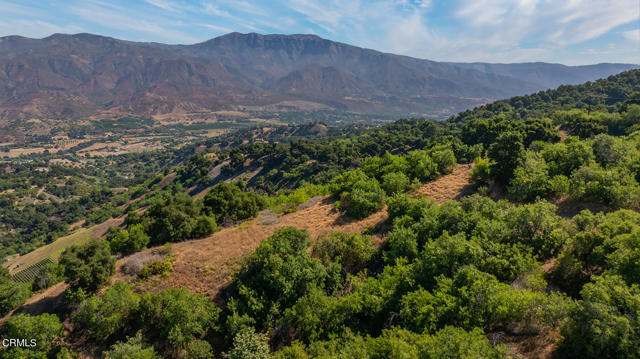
(563, 31)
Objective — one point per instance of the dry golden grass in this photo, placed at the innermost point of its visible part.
(206, 265)
(452, 186)
(16, 152)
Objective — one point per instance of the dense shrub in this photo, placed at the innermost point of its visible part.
(606, 323)
(402, 243)
(506, 154)
(540, 129)
(615, 186)
(127, 241)
(12, 294)
(352, 251)
(179, 319)
(377, 167)
(531, 179)
(175, 320)
(158, 267)
(204, 226)
(172, 219)
(108, 314)
(248, 344)
(393, 343)
(605, 243)
(421, 165)
(443, 157)
(280, 271)
(133, 348)
(564, 158)
(45, 329)
(481, 172)
(227, 202)
(580, 123)
(361, 197)
(87, 267)
(395, 182)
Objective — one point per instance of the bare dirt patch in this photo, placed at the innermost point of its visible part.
(541, 346)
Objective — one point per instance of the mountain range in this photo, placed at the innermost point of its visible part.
(73, 76)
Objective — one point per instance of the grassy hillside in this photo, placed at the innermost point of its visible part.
(509, 231)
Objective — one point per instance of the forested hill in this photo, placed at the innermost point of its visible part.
(607, 94)
(539, 260)
(284, 165)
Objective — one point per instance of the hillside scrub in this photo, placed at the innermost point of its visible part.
(447, 278)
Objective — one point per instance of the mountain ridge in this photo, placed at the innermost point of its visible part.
(85, 74)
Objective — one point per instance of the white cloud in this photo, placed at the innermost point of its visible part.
(467, 30)
(157, 27)
(164, 5)
(633, 35)
(217, 28)
(35, 28)
(562, 23)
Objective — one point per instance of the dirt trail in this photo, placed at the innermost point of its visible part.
(452, 186)
(205, 265)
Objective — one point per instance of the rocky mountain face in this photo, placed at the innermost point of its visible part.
(73, 76)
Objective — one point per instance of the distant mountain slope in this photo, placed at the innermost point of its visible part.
(548, 75)
(83, 74)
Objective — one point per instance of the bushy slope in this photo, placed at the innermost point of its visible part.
(464, 278)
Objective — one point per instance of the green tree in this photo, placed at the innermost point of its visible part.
(606, 323)
(12, 294)
(540, 129)
(109, 314)
(481, 172)
(228, 202)
(443, 157)
(580, 123)
(205, 226)
(172, 219)
(45, 329)
(506, 154)
(127, 241)
(352, 251)
(402, 242)
(531, 179)
(421, 166)
(279, 272)
(133, 348)
(395, 182)
(87, 267)
(180, 319)
(365, 198)
(248, 344)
